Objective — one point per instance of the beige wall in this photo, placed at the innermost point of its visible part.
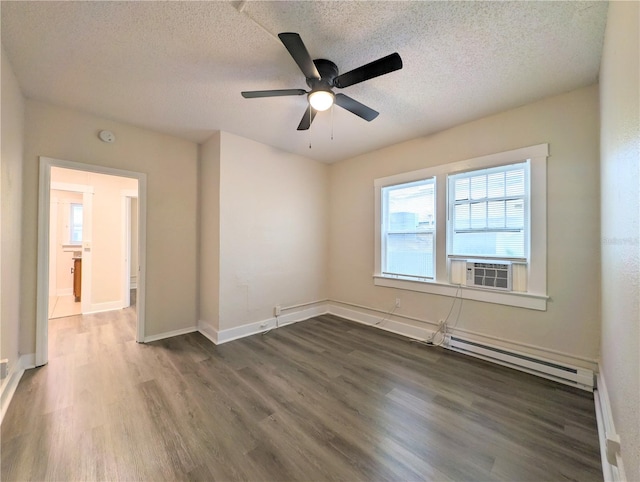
(171, 168)
(273, 225)
(620, 184)
(11, 195)
(209, 238)
(569, 123)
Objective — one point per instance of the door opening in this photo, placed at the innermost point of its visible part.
(83, 209)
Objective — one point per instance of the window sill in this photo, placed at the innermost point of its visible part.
(509, 298)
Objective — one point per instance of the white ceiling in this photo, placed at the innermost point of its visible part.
(179, 67)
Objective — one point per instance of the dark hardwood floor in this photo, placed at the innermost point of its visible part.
(324, 399)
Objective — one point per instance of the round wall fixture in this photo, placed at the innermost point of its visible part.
(107, 136)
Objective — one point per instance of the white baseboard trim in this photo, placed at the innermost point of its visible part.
(169, 334)
(208, 330)
(293, 315)
(9, 384)
(64, 292)
(106, 306)
(612, 468)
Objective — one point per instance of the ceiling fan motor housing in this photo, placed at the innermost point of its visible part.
(328, 71)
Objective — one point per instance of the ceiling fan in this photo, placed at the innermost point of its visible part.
(322, 76)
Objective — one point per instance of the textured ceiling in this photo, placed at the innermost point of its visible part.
(179, 67)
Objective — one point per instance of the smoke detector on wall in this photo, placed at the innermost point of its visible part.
(107, 136)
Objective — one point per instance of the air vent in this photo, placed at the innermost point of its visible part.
(494, 275)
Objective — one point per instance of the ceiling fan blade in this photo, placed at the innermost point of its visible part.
(307, 118)
(373, 69)
(298, 51)
(272, 93)
(355, 107)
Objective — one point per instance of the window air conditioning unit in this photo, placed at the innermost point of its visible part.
(495, 275)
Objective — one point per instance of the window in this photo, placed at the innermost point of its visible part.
(75, 223)
(434, 224)
(408, 229)
(488, 213)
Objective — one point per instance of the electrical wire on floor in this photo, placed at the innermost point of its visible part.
(277, 326)
(444, 326)
(389, 313)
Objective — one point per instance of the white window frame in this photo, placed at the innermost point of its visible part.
(385, 233)
(451, 203)
(536, 296)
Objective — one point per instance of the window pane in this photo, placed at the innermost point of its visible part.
(75, 224)
(462, 216)
(495, 184)
(515, 213)
(410, 254)
(462, 189)
(487, 243)
(478, 215)
(478, 187)
(488, 212)
(495, 214)
(515, 182)
(411, 208)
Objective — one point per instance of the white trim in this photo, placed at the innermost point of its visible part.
(612, 467)
(42, 283)
(208, 330)
(510, 298)
(170, 334)
(10, 383)
(64, 292)
(536, 297)
(295, 316)
(102, 307)
(127, 195)
(65, 186)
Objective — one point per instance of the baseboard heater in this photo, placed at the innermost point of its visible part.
(577, 377)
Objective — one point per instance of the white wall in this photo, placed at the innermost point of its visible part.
(570, 326)
(11, 196)
(209, 228)
(171, 167)
(273, 230)
(620, 184)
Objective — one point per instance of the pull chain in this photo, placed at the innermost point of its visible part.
(332, 107)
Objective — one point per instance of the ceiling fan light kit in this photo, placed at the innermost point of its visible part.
(321, 100)
(322, 75)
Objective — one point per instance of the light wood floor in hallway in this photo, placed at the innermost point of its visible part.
(325, 399)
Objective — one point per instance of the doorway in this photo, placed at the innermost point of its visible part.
(79, 259)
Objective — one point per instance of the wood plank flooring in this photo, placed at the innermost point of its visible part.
(324, 399)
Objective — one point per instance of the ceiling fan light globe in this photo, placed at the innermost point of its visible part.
(321, 100)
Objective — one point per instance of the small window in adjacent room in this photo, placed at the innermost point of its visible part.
(75, 223)
(408, 228)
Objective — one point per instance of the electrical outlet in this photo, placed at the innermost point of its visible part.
(397, 302)
(277, 310)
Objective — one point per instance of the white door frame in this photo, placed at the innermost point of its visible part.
(42, 300)
(127, 195)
